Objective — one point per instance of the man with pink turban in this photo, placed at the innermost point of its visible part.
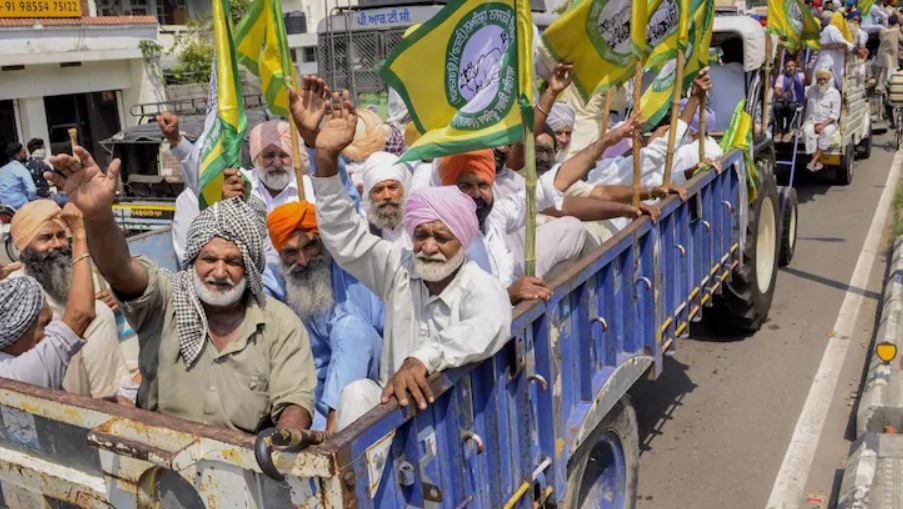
(441, 309)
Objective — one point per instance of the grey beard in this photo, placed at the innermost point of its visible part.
(53, 270)
(381, 217)
(309, 292)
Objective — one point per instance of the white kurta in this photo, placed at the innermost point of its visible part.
(820, 107)
(832, 59)
(619, 170)
(687, 157)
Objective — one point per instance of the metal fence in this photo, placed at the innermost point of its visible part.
(350, 60)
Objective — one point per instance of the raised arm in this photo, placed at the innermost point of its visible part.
(577, 167)
(92, 191)
(559, 80)
(80, 303)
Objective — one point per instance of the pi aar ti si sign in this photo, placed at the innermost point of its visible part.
(40, 9)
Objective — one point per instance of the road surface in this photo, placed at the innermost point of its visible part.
(715, 427)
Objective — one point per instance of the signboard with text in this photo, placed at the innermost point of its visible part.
(40, 8)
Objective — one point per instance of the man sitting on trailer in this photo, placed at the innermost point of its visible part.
(834, 44)
(35, 348)
(214, 349)
(561, 119)
(42, 236)
(385, 186)
(344, 319)
(789, 95)
(822, 115)
(442, 310)
(686, 157)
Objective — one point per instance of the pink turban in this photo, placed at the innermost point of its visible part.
(274, 132)
(447, 204)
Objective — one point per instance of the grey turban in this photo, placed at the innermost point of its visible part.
(562, 115)
(233, 220)
(21, 301)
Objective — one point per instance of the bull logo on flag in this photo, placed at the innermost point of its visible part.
(608, 26)
(480, 71)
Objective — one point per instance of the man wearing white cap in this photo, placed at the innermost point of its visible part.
(561, 119)
(385, 189)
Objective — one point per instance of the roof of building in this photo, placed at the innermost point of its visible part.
(84, 20)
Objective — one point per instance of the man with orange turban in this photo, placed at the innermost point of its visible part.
(344, 319)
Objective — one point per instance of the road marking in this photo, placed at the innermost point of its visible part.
(787, 492)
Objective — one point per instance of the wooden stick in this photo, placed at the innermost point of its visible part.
(675, 106)
(637, 92)
(768, 63)
(606, 113)
(73, 140)
(530, 177)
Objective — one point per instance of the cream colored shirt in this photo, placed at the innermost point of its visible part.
(267, 367)
(469, 321)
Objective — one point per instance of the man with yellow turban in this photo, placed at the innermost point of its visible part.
(344, 320)
(46, 248)
(822, 115)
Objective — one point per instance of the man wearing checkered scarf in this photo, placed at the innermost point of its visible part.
(214, 349)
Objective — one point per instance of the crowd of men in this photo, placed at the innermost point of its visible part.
(304, 304)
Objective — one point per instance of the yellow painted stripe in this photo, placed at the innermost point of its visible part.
(714, 269)
(665, 325)
(694, 312)
(517, 495)
(705, 298)
(164, 208)
(680, 328)
(694, 293)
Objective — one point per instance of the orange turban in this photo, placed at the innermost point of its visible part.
(29, 220)
(286, 219)
(479, 162)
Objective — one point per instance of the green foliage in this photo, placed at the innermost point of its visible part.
(898, 210)
(195, 47)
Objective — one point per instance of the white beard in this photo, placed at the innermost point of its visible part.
(276, 178)
(438, 269)
(382, 218)
(309, 293)
(218, 298)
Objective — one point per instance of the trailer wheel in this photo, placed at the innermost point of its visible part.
(746, 298)
(864, 148)
(789, 206)
(845, 170)
(603, 473)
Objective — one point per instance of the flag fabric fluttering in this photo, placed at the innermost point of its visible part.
(226, 122)
(693, 36)
(794, 23)
(465, 76)
(739, 136)
(596, 36)
(840, 22)
(262, 47)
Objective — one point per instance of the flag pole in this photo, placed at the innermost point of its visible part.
(530, 177)
(768, 63)
(675, 106)
(637, 86)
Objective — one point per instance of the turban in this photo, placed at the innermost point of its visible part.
(561, 116)
(411, 134)
(381, 166)
(694, 124)
(479, 162)
(285, 219)
(824, 74)
(447, 204)
(232, 220)
(21, 301)
(273, 132)
(29, 219)
(369, 137)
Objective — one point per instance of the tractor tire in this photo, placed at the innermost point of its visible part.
(789, 209)
(746, 297)
(605, 469)
(845, 171)
(864, 148)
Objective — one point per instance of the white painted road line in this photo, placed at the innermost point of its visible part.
(787, 492)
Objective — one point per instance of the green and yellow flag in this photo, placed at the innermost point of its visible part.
(739, 136)
(663, 31)
(263, 49)
(693, 36)
(602, 39)
(466, 77)
(226, 123)
(794, 23)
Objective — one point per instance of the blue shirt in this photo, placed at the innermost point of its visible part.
(346, 343)
(16, 185)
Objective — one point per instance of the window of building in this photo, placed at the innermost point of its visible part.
(95, 115)
(172, 12)
(309, 54)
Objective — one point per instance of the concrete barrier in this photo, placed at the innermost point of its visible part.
(881, 402)
(872, 473)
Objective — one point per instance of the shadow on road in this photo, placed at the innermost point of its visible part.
(830, 282)
(656, 400)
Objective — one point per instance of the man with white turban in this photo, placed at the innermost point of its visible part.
(34, 348)
(214, 349)
(561, 119)
(822, 114)
(442, 310)
(42, 237)
(385, 186)
(835, 41)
